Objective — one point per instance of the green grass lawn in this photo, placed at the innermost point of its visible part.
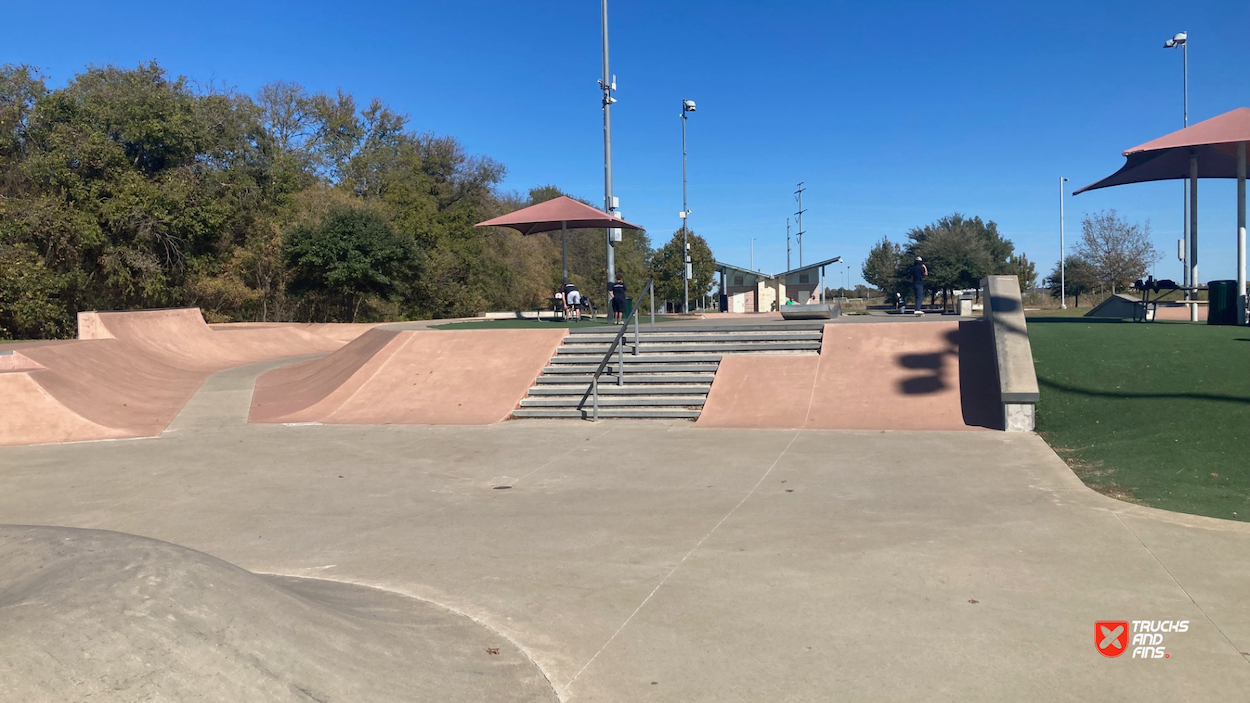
(1157, 414)
(1057, 312)
(513, 324)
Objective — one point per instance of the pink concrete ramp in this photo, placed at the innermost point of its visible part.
(180, 337)
(339, 331)
(419, 377)
(907, 375)
(129, 373)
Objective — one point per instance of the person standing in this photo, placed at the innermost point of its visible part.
(918, 272)
(617, 292)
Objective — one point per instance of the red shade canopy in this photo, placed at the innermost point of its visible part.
(1213, 141)
(555, 214)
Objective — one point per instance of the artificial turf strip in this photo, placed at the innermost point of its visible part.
(1155, 413)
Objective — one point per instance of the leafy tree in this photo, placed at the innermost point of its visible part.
(1022, 268)
(1079, 277)
(131, 188)
(668, 267)
(954, 260)
(27, 307)
(882, 269)
(351, 254)
(985, 250)
(1120, 252)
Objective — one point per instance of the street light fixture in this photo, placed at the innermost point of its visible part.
(1181, 39)
(686, 106)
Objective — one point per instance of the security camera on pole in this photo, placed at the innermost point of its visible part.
(686, 106)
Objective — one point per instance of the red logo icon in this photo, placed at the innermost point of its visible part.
(1111, 637)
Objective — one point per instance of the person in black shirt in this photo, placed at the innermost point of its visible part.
(918, 272)
(617, 291)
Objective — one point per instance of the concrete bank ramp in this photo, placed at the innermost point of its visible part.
(421, 377)
(1120, 305)
(906, 375)
(105, 616)
(130, 373)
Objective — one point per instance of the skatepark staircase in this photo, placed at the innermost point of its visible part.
(667, 375)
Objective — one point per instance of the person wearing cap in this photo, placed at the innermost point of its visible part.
(918, 272)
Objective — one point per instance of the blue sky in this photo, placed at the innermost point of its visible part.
(892, 113)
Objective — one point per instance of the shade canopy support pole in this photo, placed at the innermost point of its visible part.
(1241, 233)
(1193, 231)
(564, 250)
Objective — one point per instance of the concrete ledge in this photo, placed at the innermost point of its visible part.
(1013, 355)
(819, 311)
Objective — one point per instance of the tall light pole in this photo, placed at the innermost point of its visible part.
(799, 194)
(787, 243)
(686, 106)
(608, 84)
(1063, 252)
(1181, 39)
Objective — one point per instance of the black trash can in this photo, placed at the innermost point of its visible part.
(1222, 303)
(629, 308)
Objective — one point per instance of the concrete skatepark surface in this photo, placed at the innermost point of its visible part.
(131, 372)
(555, 560)
(649, 561)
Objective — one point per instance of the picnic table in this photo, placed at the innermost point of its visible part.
(1144, 310)
(557, 306)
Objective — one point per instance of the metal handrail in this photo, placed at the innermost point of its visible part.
(618, 347)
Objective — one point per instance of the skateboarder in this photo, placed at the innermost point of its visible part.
(918, 272)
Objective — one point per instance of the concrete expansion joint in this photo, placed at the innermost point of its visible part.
(1168, 571)
(679, 564)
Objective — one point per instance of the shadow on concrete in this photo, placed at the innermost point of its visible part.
(973, 349)
(1046, 383)
(1088, 321)
(978, 387)
(930, 364)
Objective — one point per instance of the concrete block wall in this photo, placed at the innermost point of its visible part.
(1013, 355)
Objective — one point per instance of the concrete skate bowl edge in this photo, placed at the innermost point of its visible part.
(116, 617)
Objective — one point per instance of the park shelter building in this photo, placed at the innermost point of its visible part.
(746, 290)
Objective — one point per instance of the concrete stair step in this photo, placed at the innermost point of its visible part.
(703, 328)
(630, 378)
(634, 368)
(699, 338)
(615, 401)
(646, 347)
(630, 358)
(608, 413)
(606, 389)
